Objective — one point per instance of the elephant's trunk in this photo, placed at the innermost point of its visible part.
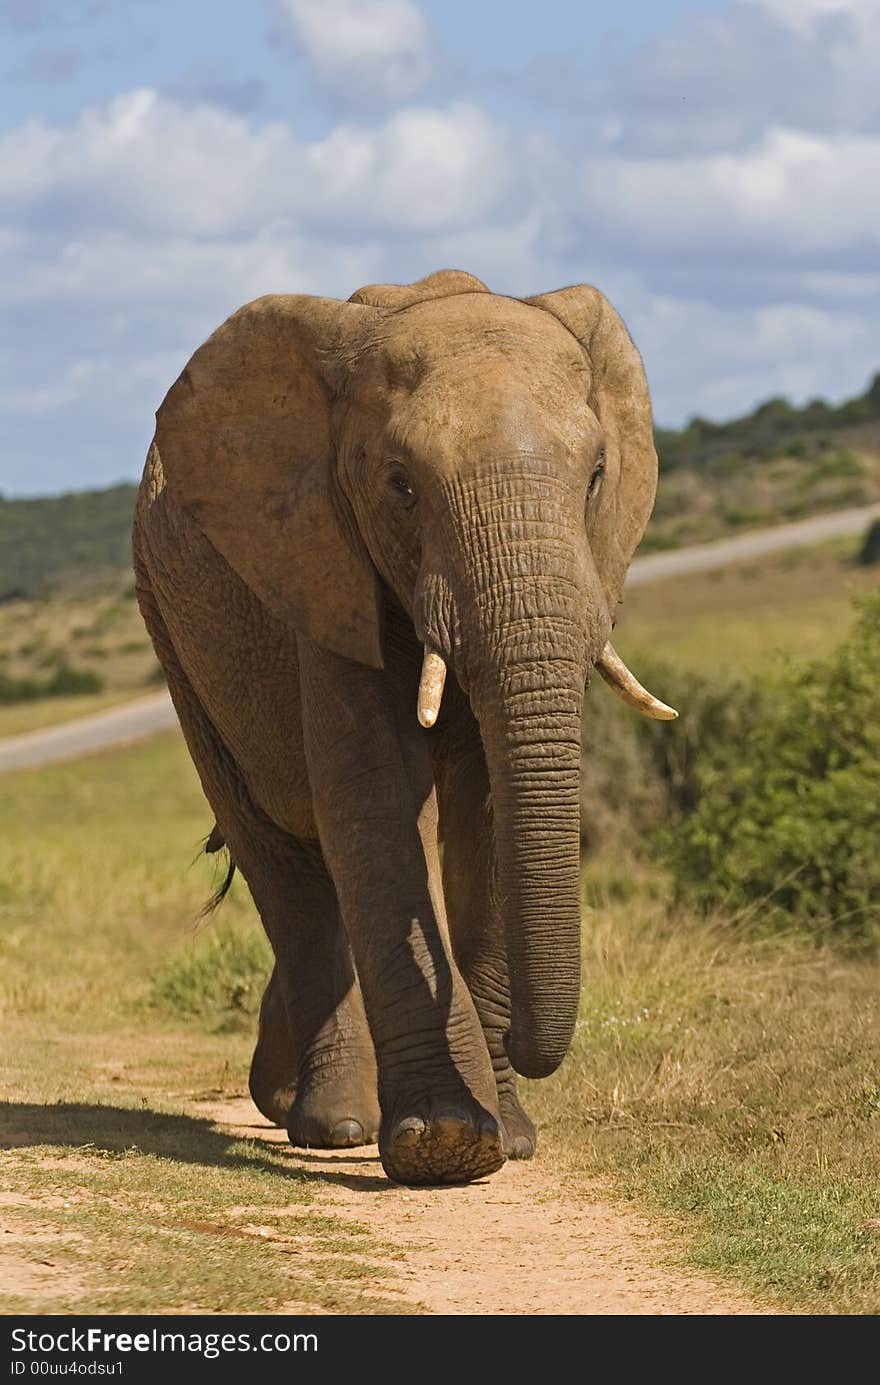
(527, 615)
(532, 740)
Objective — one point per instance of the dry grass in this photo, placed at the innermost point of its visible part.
(728, 1081)
(117, 1196)
(735, 493)
(100, 633)
(731, 1079)
(795, 604)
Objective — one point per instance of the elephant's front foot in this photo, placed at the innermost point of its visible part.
(272, 1079)
(440, 1143)
(335, 1111)
(519, 1138)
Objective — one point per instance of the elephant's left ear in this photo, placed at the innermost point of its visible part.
(619, 397)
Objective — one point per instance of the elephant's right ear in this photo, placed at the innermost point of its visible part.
(245, 442)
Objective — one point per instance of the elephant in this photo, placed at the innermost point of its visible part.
(379, 547)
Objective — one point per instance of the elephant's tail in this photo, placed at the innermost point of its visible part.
(214, 842)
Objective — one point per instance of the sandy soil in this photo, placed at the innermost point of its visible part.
(522, 1242)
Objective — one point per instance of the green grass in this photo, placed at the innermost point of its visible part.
(220, 979)
(795, 604)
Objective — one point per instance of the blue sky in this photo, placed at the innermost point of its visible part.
(713, 167)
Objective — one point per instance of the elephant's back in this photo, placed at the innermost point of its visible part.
(240, 660)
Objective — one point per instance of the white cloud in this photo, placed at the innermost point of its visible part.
(721, 190)
(718, 80)
(803, 15)
(364, 50)
(791, 193)
(737, 355)
(149, 162)
(182, 274)
(424, 170)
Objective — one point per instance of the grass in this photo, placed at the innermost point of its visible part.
(92, 631)
(734, 492)
(115, 1021)
(795, 604)
(730, 1082)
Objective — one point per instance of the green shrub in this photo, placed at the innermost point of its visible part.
(67, 680)
(220, 979)
(869, 553)
(785, 819)
(640, 775)
(18, 689)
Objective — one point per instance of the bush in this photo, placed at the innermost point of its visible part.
(18, 689)
(869, 553)
(641, 775)
(67, 680)
(785, 819)
(221, 978)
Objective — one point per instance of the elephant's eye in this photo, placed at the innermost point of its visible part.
(596, 478)
(400, 484)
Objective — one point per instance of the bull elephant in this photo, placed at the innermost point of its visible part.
(346, 506)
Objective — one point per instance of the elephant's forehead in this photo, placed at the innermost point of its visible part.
(469, 372)
(473, 329)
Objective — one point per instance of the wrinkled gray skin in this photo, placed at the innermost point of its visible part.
(331, 487)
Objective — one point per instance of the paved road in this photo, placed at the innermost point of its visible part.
(136, 720)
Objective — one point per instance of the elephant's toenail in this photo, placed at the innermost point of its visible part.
(347, 1133)
(522, 1148)
(410, 1130)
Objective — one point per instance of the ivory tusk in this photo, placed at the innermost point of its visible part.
(627, 686)
(431, 687)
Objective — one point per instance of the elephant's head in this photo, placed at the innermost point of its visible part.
(491, 461)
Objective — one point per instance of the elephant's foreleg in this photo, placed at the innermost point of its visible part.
(272, 1078)
(372, 787)
(313, 1004)
(314, 1066)
(475, 921)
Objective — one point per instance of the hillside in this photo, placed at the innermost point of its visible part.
(774, 464)
(61, 537)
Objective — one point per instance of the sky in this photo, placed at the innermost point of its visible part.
(713, 166)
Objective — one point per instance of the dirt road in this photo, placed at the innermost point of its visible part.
(131, 722)
(147, 715)
(706, 557)
(524, 1242)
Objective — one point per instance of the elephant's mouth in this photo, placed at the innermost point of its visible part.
(610, 665)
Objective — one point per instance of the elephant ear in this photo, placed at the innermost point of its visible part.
(245, 441)
(619, 397)
(446, 283)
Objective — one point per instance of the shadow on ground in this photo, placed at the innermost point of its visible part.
(80, 1128)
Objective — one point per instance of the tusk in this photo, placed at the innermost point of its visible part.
(627, 686)
(431, 687)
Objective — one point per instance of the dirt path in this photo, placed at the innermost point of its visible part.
(521, 1243)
